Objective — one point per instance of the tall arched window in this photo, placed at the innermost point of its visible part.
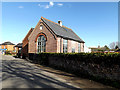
(41, 44)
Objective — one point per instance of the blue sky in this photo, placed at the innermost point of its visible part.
(96, 23)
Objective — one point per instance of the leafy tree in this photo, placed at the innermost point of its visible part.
(106, 47)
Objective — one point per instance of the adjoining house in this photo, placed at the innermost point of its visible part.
(18, 47)
(99, 49)
(6, 46)
(94, 49)
(49, 36)
(86, 49)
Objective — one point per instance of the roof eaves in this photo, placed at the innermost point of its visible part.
(30, 31)
(70, 38)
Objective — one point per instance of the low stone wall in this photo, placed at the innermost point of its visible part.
(98, 66)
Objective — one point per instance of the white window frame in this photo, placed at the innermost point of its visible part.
(79, 47)
(41, 27)
(73, 48)
(41, 47)
(65, 45)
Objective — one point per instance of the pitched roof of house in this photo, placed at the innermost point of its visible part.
(30, 31)
(18, 45)
(62, 31)
(7, 43)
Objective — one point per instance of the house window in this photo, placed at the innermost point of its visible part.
(73, 50)
(20, 48)
(60, 44)
(79, 48)
(15, 49)
(4, 46)
(41, 27)
(41, 44)
(65, 44)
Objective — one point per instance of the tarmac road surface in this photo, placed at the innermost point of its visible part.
(19, 73)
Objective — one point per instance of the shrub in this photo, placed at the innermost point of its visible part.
(95, 66)
(97, 58)
(7, 52)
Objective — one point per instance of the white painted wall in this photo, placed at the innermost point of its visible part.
(86, 49)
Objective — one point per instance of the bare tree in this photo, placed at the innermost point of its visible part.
(116, 43)
(112, 45)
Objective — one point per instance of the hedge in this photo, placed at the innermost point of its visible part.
(98, 58)
(101, 67)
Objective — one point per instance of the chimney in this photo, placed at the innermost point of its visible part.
(60, 23)
(98, 46)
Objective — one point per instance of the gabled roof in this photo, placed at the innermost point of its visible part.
(7, 43)
(62, 31)
(18, 45)
(30, 31)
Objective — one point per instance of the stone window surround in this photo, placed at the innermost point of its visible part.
(36, 40)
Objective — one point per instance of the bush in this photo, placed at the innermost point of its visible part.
(98, 58)
(95, 66)
(7, 52)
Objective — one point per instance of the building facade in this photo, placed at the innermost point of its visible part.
(18, 47)
(6, 46)
(49, 36)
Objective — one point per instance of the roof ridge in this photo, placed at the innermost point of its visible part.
(7, 43)
(31, 29)
(49, 20)
(55, 23)
(57, 32)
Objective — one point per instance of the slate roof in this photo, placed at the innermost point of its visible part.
(62, 31)
(18, 45)
(7, 43)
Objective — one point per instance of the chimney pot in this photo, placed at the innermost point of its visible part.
(60, 23)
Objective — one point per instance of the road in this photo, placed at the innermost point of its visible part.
(19, 73)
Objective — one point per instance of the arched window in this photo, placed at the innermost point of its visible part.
(41, 44)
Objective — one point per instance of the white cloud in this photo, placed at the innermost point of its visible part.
(20, 7)
(51, 3)
(60, 4)
(47, 6)
(41, 5)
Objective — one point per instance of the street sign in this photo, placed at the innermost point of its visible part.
(3, 49)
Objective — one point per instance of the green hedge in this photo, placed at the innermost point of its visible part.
(98, 58)
(104, 60)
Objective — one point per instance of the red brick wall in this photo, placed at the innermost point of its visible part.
(71, 44)
(25, 44)
(51, 43)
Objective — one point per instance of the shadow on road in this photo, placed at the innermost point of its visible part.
(23, 73)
